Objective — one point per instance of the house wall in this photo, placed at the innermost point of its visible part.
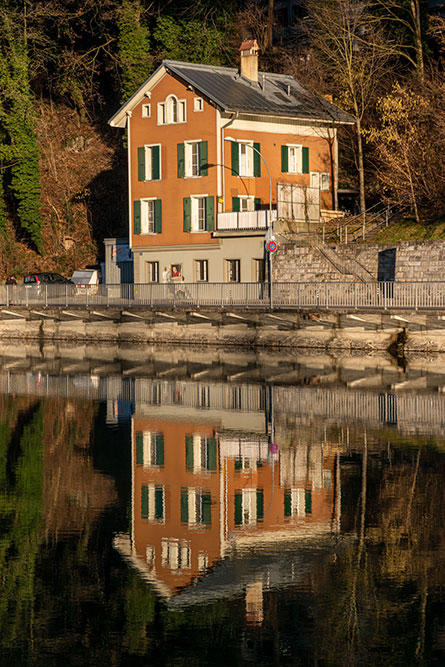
(415, 261)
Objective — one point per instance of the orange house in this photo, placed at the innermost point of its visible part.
(215, 155)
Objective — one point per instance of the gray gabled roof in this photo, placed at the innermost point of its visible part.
(274, 94)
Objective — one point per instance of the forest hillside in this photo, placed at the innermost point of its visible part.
(67, 65)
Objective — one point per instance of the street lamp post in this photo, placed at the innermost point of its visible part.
(268, 236)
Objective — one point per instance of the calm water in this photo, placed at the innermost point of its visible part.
(171, 513)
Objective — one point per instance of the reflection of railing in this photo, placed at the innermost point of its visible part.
(376, 295)
(244, 220)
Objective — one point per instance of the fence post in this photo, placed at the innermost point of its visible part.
(247, 295)
(7, 295)
(46, 295)
(415, 297)
(222, 295)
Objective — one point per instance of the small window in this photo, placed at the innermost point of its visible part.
(233, 270)
(153, 272)
(150, 216)
(258, 271)
(201, 270)
(324, 182)
(171, 111)
(149, 163)
(315, 179)
(199, 214)
(146, 111)
(294, 159)
(246, 158)
(198, 104)
(246, 204)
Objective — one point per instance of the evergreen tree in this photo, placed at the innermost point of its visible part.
(135, 61)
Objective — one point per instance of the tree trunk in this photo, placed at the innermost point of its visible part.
(361, 171)
(417, 27)
(269, 32)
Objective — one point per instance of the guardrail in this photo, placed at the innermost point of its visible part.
(372, 295)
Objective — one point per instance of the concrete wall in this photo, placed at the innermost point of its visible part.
(415, 261)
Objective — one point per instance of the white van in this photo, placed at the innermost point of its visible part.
(86, 280)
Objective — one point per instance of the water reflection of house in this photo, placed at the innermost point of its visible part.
(205, 495)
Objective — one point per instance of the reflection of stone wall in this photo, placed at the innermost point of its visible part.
(420, 260)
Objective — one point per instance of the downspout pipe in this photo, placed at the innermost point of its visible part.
(223, 166)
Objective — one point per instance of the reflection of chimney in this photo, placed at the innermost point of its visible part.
(254, 603)
(249, 59)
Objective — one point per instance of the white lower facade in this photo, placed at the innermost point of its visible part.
(233, 259)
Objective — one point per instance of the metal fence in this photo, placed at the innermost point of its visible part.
(329, 295)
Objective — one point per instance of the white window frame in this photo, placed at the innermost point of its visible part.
(324, 182)
(295, 158)
(202, 269)
(237, 265)
(246, 203)
(258, 270)
(153, 272)
(192, 158)
(171, 111)
(245, 158)
(198, 205)
(148, 162)
(147, 212)
(198, 104)
(146, 110)
(315, 179)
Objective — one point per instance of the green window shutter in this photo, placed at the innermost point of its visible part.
(184, 506)
(210, 214)
(137, 217)
(189, 452)
(159, 449)
(155, 163)
(305, 160)
(308, 502)
(235, 204)
(187, 214)
(211, 454)
(287, 504)
(235, 158)
(206, 508)
(257, 203)
(238, 464)
(141, 163)
(256, 160)
(284, 159)
(158, 216)
(181, 161)
(139, 449)
(144, 502)
(259, 504)
(159, 503)
(238, 509)
(203, 160)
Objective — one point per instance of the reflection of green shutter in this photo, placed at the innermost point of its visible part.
(206, 508)
(238, 509)
(184, 505)
(155, 163)
(189, 452)
(235, 158)
(187, 214)
(257, 203)
(144, 502)
(235, 204)
(203, 160)
(210, 214)
(181, 161)
(305, 159)
(139, 449)
(308, 502)
(238, 464)
(211, 454)
(158, 216)
(284, 159)
(287, 504)
(259, 504)
(256, 160)
(159, 449)
(141, 163)
(137, 217)
(159, 503)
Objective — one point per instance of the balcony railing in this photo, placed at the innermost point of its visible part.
(244, 221)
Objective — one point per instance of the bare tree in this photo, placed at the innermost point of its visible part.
(352, 46)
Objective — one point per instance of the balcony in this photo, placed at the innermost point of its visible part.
(247, 221)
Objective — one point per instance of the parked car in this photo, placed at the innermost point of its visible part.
(36, 279)
(86, 280)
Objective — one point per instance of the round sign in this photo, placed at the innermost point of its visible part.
(271, 246)
(273, 447)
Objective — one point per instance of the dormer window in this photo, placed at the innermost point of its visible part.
(146, 112)
(198, 104)
(171, 111)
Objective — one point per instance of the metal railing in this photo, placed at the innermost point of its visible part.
(359, 295)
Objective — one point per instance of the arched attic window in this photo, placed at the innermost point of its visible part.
(171, 111)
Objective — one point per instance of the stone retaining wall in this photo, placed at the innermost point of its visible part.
(415, 261)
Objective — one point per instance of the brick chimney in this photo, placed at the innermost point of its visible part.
(249, 59)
